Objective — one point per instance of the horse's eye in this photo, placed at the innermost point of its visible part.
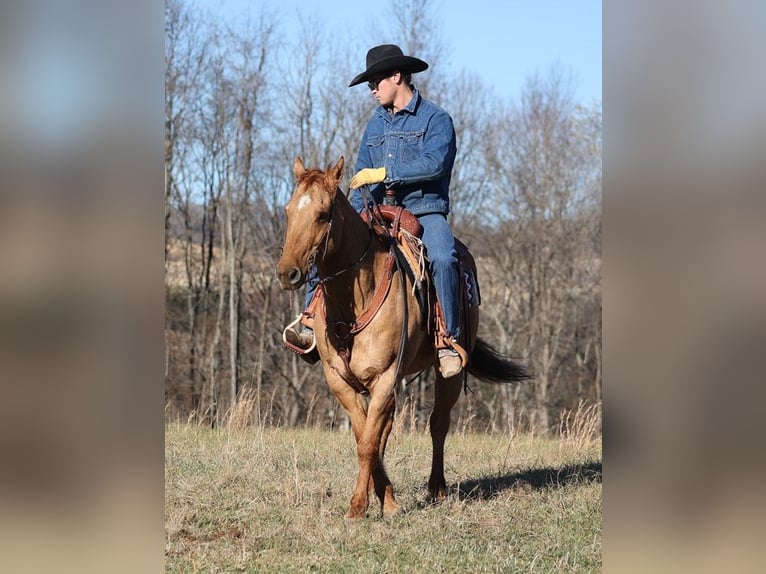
(324, 217)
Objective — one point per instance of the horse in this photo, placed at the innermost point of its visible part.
(367, 342)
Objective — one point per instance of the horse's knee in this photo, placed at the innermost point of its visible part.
(366, 451)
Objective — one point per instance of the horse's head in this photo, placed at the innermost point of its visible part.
(309, 221)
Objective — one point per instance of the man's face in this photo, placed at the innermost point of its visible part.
(383, 87)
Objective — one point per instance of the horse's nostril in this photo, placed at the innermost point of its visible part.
(294, 276)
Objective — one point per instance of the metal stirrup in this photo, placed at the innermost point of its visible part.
(287, 343)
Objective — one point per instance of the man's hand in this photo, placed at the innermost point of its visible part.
(367, 176)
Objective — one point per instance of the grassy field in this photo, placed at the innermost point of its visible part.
(273, 500)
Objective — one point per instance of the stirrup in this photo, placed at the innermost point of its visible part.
(453, 364)
(451, 343)
(295, 348)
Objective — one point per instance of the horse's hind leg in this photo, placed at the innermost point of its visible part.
(447, 394)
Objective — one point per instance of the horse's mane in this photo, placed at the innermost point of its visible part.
(316, 176)
(312, 176)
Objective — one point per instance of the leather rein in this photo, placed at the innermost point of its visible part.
(323, 242)
(344, 331)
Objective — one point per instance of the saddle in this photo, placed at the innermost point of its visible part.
(407, 230)
(409, 250)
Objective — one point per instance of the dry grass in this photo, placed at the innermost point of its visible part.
(244, 413)
(581, 429)
(249, 499)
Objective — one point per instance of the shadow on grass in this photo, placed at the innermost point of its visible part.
(533, 479)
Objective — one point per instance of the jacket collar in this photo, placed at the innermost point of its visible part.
(410, 108)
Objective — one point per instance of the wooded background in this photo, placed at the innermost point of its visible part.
(242, 101)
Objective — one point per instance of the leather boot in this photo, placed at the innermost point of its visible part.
(450, 363)
(303, 340)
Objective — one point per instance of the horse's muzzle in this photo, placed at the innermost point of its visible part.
(291, 279)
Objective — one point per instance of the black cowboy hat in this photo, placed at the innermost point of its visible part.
(387, 58)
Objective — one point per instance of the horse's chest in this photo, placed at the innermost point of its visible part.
(357, 358)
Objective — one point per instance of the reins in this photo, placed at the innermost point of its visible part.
(353, 265)
(342, 330)
(325, 240)
(400, 267)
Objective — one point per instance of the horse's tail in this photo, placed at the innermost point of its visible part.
(488, 364)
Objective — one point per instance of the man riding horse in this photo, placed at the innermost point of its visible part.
(408, 150)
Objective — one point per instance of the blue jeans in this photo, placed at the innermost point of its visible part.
(440, 246)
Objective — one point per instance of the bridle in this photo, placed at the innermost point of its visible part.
(323, 245)
(345, 331)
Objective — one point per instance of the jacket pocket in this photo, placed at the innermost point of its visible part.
(377, 149)
(411, 145)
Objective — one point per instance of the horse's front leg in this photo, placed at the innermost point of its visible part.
(369, 450)
(353, 403)
(380, 482)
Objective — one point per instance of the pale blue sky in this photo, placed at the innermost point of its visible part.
(504, 42)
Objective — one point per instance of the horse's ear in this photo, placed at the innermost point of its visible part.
(298, 168)
(336, 171)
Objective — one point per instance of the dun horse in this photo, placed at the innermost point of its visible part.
(367, 338)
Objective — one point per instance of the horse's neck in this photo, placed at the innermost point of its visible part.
(354, 246)
(349, 238)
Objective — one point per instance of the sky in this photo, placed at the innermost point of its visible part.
(503, 41)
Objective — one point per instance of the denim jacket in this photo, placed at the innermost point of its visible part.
(417, 146)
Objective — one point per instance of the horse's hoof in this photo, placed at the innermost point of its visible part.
(438, 495)
(437, 489)
(393, 512)
(353, 515)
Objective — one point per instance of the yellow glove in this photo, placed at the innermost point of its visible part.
(367, 176)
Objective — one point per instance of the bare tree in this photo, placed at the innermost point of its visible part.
(417, 31)
(525, 197)
(545, 155)
(248, 53)
(186, 53)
